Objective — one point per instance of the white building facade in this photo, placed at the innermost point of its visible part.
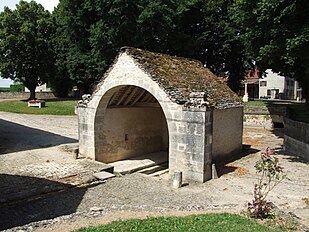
(274, 86)
(40, 88)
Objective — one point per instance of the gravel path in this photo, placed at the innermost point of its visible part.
(67, 205)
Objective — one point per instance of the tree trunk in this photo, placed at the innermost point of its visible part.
(307, 98)
(32, 93)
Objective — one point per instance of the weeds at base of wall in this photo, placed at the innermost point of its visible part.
(277, 220)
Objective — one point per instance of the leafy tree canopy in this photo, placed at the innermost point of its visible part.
(93, 31)
(25, 51)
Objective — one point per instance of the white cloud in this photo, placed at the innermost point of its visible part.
(48, 4)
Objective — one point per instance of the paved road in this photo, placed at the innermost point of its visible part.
(20, 132)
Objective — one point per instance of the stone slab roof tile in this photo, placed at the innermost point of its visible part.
(180, 77)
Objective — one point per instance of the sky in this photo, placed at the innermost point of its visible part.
(48, 5)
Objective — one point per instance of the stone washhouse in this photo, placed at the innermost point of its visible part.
(147, 103)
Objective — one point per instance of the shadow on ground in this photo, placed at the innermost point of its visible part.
(224, 167)
(16, 137)
(22, 201)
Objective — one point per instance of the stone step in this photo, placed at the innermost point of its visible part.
(154, 168)
(103, 175)
(159, 173)
(139, 162)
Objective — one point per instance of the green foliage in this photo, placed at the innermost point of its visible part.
(270, 174)
(207, 222)
(258, 103)
(17, 88)
(4, 89)
(276, 35)
(61, 85)
(25, 51)
(215, 36)
(51, 107)
(89, 34)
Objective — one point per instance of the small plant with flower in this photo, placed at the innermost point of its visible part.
(270, 174)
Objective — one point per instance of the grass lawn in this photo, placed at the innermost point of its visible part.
(51, 107)
(258, 103)
(208, 222)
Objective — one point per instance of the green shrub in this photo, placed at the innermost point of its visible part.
(17, 88)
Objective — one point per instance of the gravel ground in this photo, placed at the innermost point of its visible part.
(65, 203)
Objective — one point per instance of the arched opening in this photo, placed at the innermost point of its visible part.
(133, 125)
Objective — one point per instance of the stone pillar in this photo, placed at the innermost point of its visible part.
(208, 145)
(245, 97)
(86, 132)
(191, 144)
(177, 180)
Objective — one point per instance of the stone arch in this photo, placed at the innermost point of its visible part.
(102, 113)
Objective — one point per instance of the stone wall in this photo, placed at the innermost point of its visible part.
(227, 134)
(296, 138)
(263, 116)
(24, 95)
(132, 131)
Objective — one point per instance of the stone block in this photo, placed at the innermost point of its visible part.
(181, 128)
(181, 147)
(103, 175)
(199, 130)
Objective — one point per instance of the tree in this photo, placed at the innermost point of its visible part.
(95, 30)
(276, 35)
(25, 52)
(61, 83)
(208, 26)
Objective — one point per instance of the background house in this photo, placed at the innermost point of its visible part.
(40, 88)
(274, 86)
(251, 83)
(270, 86)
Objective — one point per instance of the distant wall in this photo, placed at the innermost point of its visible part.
(296, 138)
(24, 95)
(227, 134)
(263, 116)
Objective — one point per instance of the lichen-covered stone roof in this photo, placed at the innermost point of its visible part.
(180, 77)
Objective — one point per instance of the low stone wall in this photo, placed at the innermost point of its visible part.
(296, 138)
(263, 116)
(25, 95)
